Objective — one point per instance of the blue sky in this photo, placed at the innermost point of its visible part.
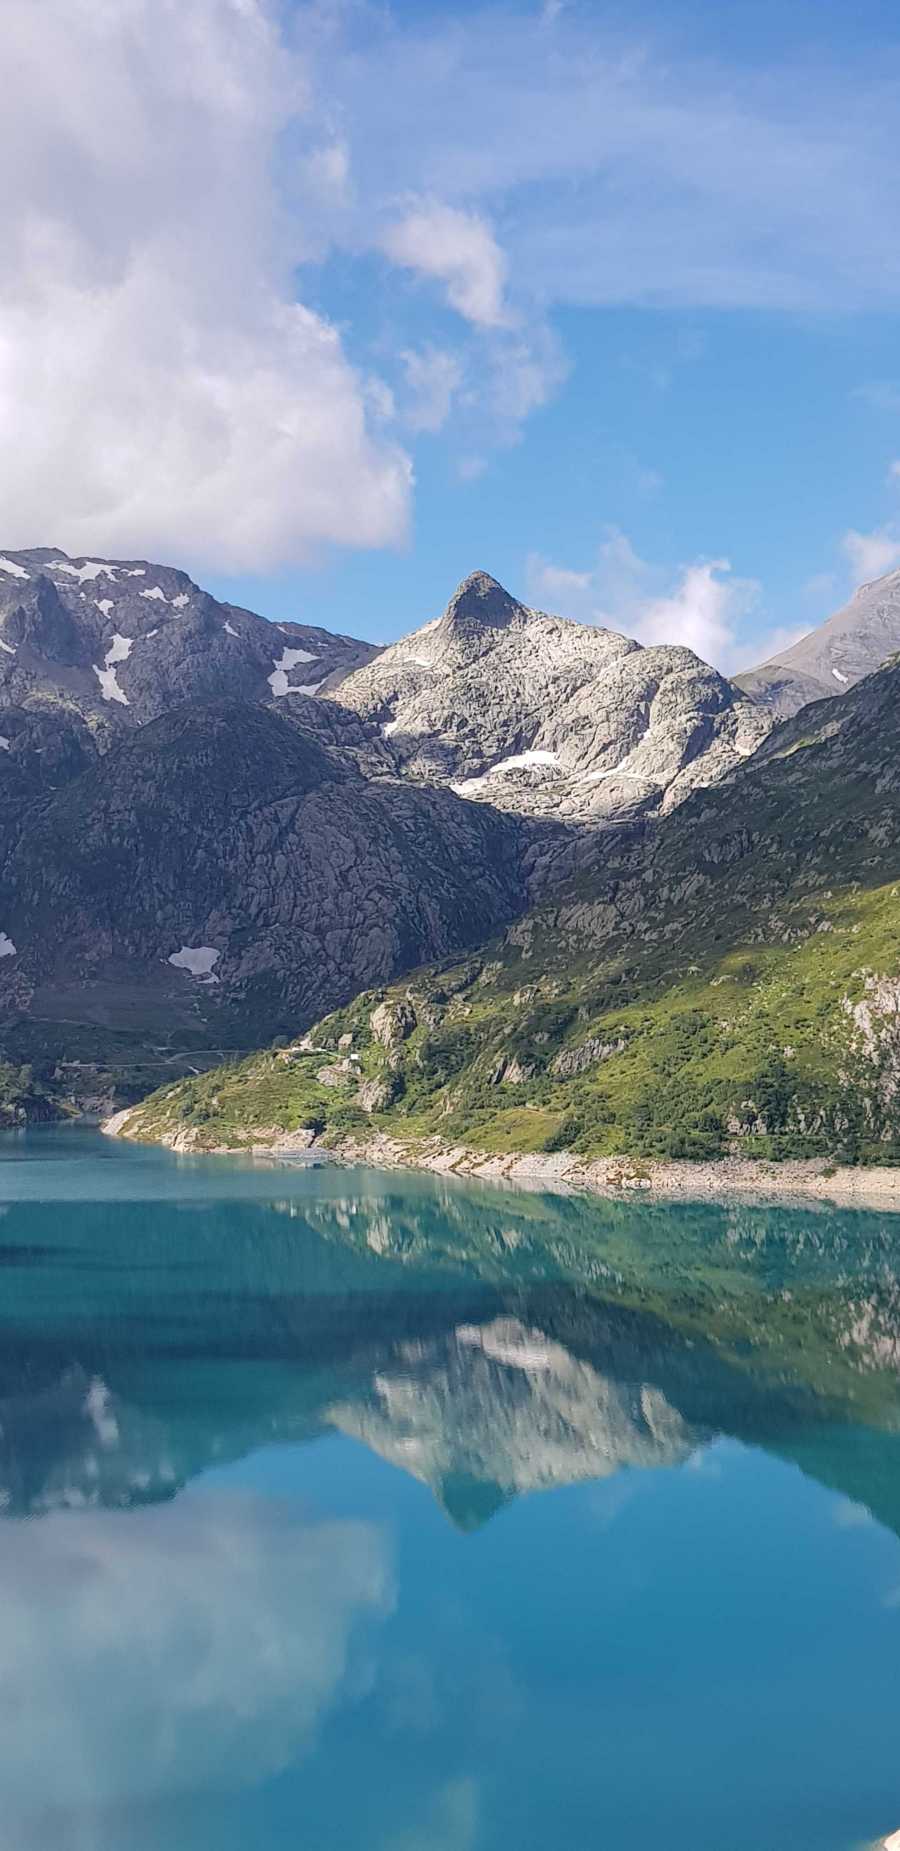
(346, 300)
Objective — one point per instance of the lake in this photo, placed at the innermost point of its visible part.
(352, 1511)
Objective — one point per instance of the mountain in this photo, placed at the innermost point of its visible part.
(727, 980)
(121, 641)
(850, 645)
(213, 829)
(225, 867)
(550, 718)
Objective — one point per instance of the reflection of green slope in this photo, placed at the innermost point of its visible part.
(861, 1463)
(487, 1342)
(810, 1295)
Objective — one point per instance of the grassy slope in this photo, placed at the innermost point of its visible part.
(716, 975)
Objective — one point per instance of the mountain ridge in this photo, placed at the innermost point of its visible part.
(727, 981)
(199, 850)
(849, 645)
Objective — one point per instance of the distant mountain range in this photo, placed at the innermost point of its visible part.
(214, 829)
(831, 659)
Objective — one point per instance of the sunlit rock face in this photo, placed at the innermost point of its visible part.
(550, 718)
(495, 1410)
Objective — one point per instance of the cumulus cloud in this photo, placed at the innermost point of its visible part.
(458, 249)
(872, 554)
(161, 389)
(700, 612)
(700, 606)
(190, 1646)
(432, 378)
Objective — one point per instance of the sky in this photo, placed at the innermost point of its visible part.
(332, 304)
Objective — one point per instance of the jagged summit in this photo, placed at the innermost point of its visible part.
(537, 713)
(480, 599)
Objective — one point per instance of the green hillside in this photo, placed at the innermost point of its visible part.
(728, 984)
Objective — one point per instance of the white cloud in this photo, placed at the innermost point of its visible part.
(458, 249)
(894, 472)
(701, 612)
(161, 390)
(701, 606)
(872, 554)
(187, 1646)
(627, 169)
(433, 378)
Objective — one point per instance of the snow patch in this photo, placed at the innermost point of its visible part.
(393, 726)
(119, 651)
(135, 571)
(7, 948)
(92, 568)
(181, 600)
(289, 658)
(152, 633)
(105, 605)
(9, 647)
(521, 761)
(109, 686)
(157, 593)
(525, 758)
(4, 743)
(9, 565)
(839, 677)
(230, 628)
(197, 960)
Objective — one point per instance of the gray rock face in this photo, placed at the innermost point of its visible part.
(220, 866)
(122, 641)
(853, 643)
(538, 715)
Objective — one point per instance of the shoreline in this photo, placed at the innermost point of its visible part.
(807, 1180)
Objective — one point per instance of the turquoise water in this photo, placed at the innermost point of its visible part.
(341, 1511)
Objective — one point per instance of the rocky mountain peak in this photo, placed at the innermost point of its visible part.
(540, 715)
(480, 600)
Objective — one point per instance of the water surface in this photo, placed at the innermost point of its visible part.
(345, 1511)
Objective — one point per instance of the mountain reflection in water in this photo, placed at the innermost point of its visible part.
(222, 1390)
(488, 1343)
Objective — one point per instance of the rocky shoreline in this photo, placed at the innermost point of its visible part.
(814, 1179)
